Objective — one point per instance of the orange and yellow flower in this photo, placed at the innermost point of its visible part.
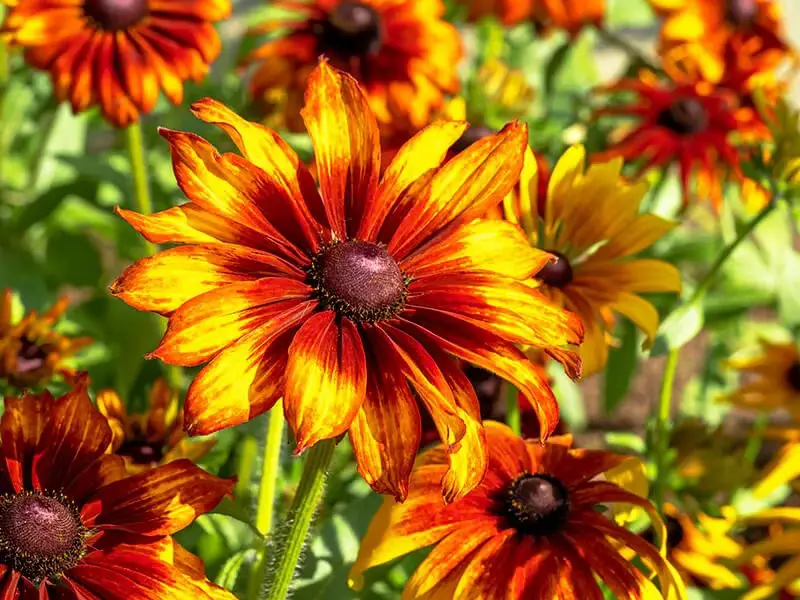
(589, 221)
(335, 299)
(153, 438)
(568, 15)
(772, 564)
(118, 54)
(716, 31)
(532, 529)
(75, 525)
(403, 54)
(31, 352)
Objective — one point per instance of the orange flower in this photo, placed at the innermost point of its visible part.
(333, 299)
(153, 438)
(31, 353)
(401, 52)
(73, 523)
(569, 15)
(118, 53)
(713, 31)
(681, 122)
(530, 530)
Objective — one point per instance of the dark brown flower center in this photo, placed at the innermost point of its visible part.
(741, 13)
(675, 533)
(31, 356)
(685, 116)
(537, 504)
(114, 15)
(793, 376)
(469, 137)
(557, 274)
(352, 29)
(142, 452)
(41, 534)
(359, 280)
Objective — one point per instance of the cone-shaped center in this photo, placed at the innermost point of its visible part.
(557, 274)
(469, 137)
(360, 280)
(353, 29)
(141, 452)
(114, 15)
(793, 376)
(741, 13)
(685, 116)
(31, 356)
(537, 504)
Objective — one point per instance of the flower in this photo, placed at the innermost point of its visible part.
(118, 53)
(773, 563)
(334, 299)
(680, 121)
(153, 438)
(402, 53)
(590, 223)
(75, 525)
(530, 530)
(712, 32)
(31, 352)
(546, 15)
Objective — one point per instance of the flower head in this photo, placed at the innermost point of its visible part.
(546, 15)
(336, 299)
(772, 563)
(118, 53)
(589, 222)
(532, 529)
(153, 438)
(31, 351)
(402, 53)
(75, 525)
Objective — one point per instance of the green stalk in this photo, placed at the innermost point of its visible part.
(513, 419)
(612, 39)
(141, 188)
(309, 494)
(663, 425)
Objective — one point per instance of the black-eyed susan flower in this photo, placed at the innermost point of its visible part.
(590, 223)
(31, 351)
(772, 561)
(546, 15)
(532, 529)
(336, 299)
(713, 31)
(154, 437)
(403, 54)
(118, 54)
(74, 525)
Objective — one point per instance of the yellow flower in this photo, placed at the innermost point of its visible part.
(773, 563)
(590, 223)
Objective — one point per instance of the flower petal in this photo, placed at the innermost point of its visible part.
(326, 378)
(21, 427)
(490, 569)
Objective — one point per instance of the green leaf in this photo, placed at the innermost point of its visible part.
(229, 572)
(72, 258)
(678, 329)
(556, 64)
(788, 297)
(621, 366)
(47, 203)
(67, 136)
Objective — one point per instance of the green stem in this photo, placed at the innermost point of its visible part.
(613, 39)
(267, 492)
(756, 439)
(513, 419)
(309, 494)
(663, 425)
(141, 188)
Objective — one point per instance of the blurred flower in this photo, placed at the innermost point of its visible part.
(772, 564)
(590, 223)
(783, 155)
(31, 352)
(75, 525)
(713, 31)
(680, 121)
(546, 15)
(402, 53)
(334, 299)
(117, 54)
(153, 438)
(532, 529)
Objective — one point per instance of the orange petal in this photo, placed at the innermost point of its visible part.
(21, 427)
(489, 572)
(346, 143)
(508, 456)
(326, 378)
(112, 408)
(159, 501)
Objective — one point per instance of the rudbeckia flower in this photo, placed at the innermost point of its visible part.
(751, 30)
(153, 438)
(773, 563)
(532, 529)
(590, 222)
(335, 299)
(118, 54)
(74, 525)
(568, 15)
(403, 54)
(31, 351)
